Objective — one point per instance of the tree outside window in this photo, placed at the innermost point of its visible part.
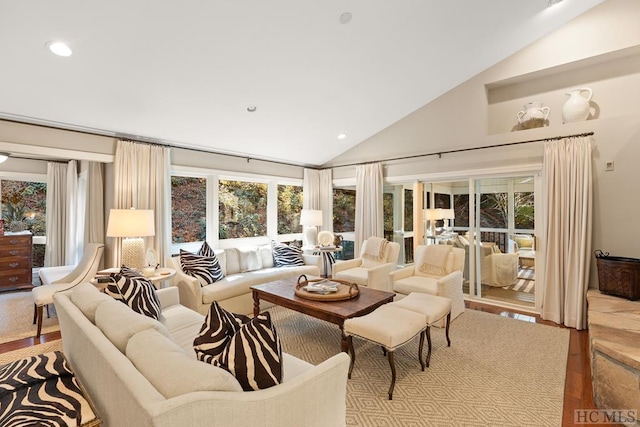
(242, 209)
(188, 209)
(524, 210)
(344, 210)
(289, 207)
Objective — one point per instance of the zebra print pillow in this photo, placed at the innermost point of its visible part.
(254, 354)
(42, 390)
(204, 268)
(138, 293)
(205, 250)
(216, 331)
(129, 272)
(286, 256)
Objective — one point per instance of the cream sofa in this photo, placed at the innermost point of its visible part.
(142, 372)
(242, 268)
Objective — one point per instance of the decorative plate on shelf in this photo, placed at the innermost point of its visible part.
(152, 258)
(325, 238)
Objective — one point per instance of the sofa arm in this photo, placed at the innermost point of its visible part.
(400, 274)
(168, 297)
(378, 277)
(188, 287)
(313, 260)
(346, 264)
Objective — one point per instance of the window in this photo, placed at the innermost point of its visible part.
(242, 209)
(408, 210)
(494, 210)
(524, 210)
(289, 207)
(24, 208)
(188, 209)
(344, 210)
(461, 209)
(387, 215)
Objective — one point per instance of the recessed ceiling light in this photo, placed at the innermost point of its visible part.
(342, 136)
(252, 108)
(3, 157)
(552, 2)
(59, 48)
(345, 18)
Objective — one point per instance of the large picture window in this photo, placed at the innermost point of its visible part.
(242, 209)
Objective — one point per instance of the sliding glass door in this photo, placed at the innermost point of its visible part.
(503, 234)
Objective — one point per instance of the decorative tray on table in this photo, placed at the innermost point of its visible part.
(325, 289)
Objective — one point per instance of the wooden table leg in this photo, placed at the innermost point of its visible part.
(344, 345)
(256, 304)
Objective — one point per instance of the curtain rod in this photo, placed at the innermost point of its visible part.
(151, 142)
(460, 150)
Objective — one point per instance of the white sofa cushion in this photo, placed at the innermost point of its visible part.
(166, 366)
(357, 275)
(88, 298)
(249, 259)
(183, 325)
(416, 284)
(119, 323)
(266, 254)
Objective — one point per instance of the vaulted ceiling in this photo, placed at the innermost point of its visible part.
(185, 73)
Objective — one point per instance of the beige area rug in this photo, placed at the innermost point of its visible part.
(34, 350)
(497, 372)
(16, 317)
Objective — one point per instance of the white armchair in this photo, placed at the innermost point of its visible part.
(56, 279)
(437, 270)
(368, 272)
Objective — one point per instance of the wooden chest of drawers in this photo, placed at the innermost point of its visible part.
(15, 261)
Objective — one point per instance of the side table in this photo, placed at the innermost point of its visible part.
(327, 257)
(161, 274)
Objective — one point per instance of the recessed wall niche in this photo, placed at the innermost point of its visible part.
(614, 78)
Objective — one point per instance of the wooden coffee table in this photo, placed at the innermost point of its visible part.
(282, 293)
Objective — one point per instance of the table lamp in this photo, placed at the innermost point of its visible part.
(447, 214)
(432, 215)
(131, 224)
(310, 219)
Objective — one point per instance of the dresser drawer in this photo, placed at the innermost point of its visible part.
(15, 251)
(16, 277)
(13, 263)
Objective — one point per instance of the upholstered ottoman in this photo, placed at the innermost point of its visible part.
(389, 326)
(43, 391)
(433, 307)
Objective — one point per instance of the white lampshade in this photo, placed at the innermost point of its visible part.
(433, 214)
(311, 217)
(132, 224)
(448, 214)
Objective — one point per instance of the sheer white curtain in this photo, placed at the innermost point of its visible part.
(317, 190)
(143, 181)
(62, 186)
(568, 217)
(369, 217)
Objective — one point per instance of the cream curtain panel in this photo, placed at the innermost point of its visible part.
(317, 193)
(143, 181)
(369, 216)
(568, 217)
(62, 187)
(94, 210)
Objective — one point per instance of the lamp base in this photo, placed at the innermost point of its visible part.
(133, 253)
(310, 236)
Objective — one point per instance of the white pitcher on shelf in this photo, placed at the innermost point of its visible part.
(534, 115)
(577, 107)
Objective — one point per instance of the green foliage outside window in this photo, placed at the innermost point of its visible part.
(524, 210)
(289, 207)
(188, 209)
(344, 210)
(242, 209)
(408, 210)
